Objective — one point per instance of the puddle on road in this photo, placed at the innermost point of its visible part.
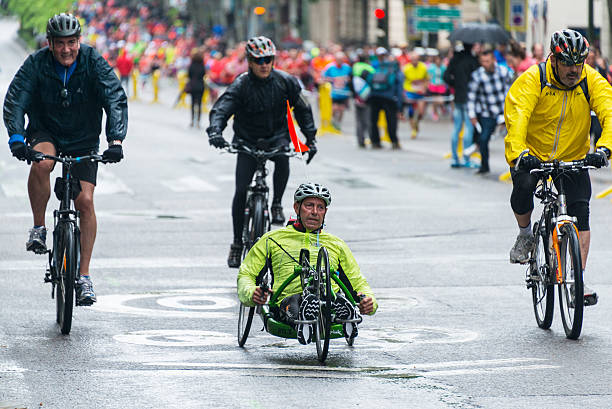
(354, 183)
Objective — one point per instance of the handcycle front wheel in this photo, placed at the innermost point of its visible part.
(324, 296)
(571, 287)
(65, 265)
(245, 319)
(542, 287)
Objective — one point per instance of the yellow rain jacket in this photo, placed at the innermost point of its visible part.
(340, 260)
(554, 124)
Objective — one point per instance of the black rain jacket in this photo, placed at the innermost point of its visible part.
(260, 109)
(36, 92)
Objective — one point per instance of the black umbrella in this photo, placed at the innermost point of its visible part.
(471, 33)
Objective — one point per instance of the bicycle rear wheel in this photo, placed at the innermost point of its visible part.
(571, 288)
(542, 288)
(254, 229)
(66, 263)
(324, 294)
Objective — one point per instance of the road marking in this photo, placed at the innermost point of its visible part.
(176, 338)
(181, 302)
(108, 183)
(118, 303)
(189, 184)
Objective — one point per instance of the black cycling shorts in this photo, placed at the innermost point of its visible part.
(577, 187)
(86, 171)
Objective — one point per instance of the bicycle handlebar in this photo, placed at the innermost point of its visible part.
(547, 167)
(69, 159)
(255, 152)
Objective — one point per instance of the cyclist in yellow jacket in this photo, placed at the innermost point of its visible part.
(273, 248)
(547, 111)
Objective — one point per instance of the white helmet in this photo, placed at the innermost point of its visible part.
(312, 190)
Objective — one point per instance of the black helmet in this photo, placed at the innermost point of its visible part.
(569, 46)
(63, 25)
(260, 46)
(312, 190)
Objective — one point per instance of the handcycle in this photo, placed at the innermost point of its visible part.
(64, 257)
(316, 280)
(256, 212)
(555, 258)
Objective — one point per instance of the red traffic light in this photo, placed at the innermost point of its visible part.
(379, 13)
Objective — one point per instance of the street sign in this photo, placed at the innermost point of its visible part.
(436, 12)
(434, 26)
(434, 2)
(516, 15)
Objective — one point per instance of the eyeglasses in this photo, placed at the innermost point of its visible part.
(263, 60)
(64, 95)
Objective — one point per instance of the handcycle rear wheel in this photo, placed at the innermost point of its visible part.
(542, 290)
(324, 295)
(571, 288)
(65, 264)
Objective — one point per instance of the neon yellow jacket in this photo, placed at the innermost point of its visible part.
(292, 240)
(554, 124)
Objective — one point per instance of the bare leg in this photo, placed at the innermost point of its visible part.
(39, 188)
(84, 204)
(523, 220)
(585, 242)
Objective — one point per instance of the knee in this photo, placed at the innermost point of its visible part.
(521, 201)
(42, 168)
(84, 203)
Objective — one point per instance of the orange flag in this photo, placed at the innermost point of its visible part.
(297, 144)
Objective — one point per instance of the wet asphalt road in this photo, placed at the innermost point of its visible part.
(455, 326)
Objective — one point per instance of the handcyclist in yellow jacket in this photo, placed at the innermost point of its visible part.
(547, 111)
(274, 249)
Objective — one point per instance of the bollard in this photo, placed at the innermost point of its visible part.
(382, 126)
(325, 110)
(135, 75)
(155, 76)
(182, 81)
(205, 95)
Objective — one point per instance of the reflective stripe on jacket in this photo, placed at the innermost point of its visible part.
(292, 240)
(554, 123)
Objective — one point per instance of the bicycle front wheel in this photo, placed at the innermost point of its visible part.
(542, 288)
(571, 288)
(324, 292)
(66, 269)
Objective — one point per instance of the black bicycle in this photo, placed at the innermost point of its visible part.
(256, 215)
(64, 257)
(555, 258)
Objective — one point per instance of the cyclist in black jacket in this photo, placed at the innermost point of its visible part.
(257, 99)
(63, 89)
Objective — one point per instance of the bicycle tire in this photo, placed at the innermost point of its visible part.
(571, 273)
(66, 268)
(255, 226)
(323, 325)
(543, 289)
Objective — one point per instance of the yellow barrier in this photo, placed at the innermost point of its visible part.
(505, 177)
(325, 110)
(182, 81)
(474, 154)
(156, 75)
(604, 193)
(135, 75)
(382, 126)
(205, 95)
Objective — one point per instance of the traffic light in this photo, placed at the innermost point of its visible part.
(381, 26)
(259, 10)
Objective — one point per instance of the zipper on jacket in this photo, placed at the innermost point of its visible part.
(558, 132)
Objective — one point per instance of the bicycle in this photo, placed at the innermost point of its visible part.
(315, 280)
(64, 257)
(555, 258)
(256, 214)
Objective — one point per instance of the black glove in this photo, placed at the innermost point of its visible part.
(20, 150)
(529, 162)
(599, 159)
(217, 140)
(312, 151)
(114, 153)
